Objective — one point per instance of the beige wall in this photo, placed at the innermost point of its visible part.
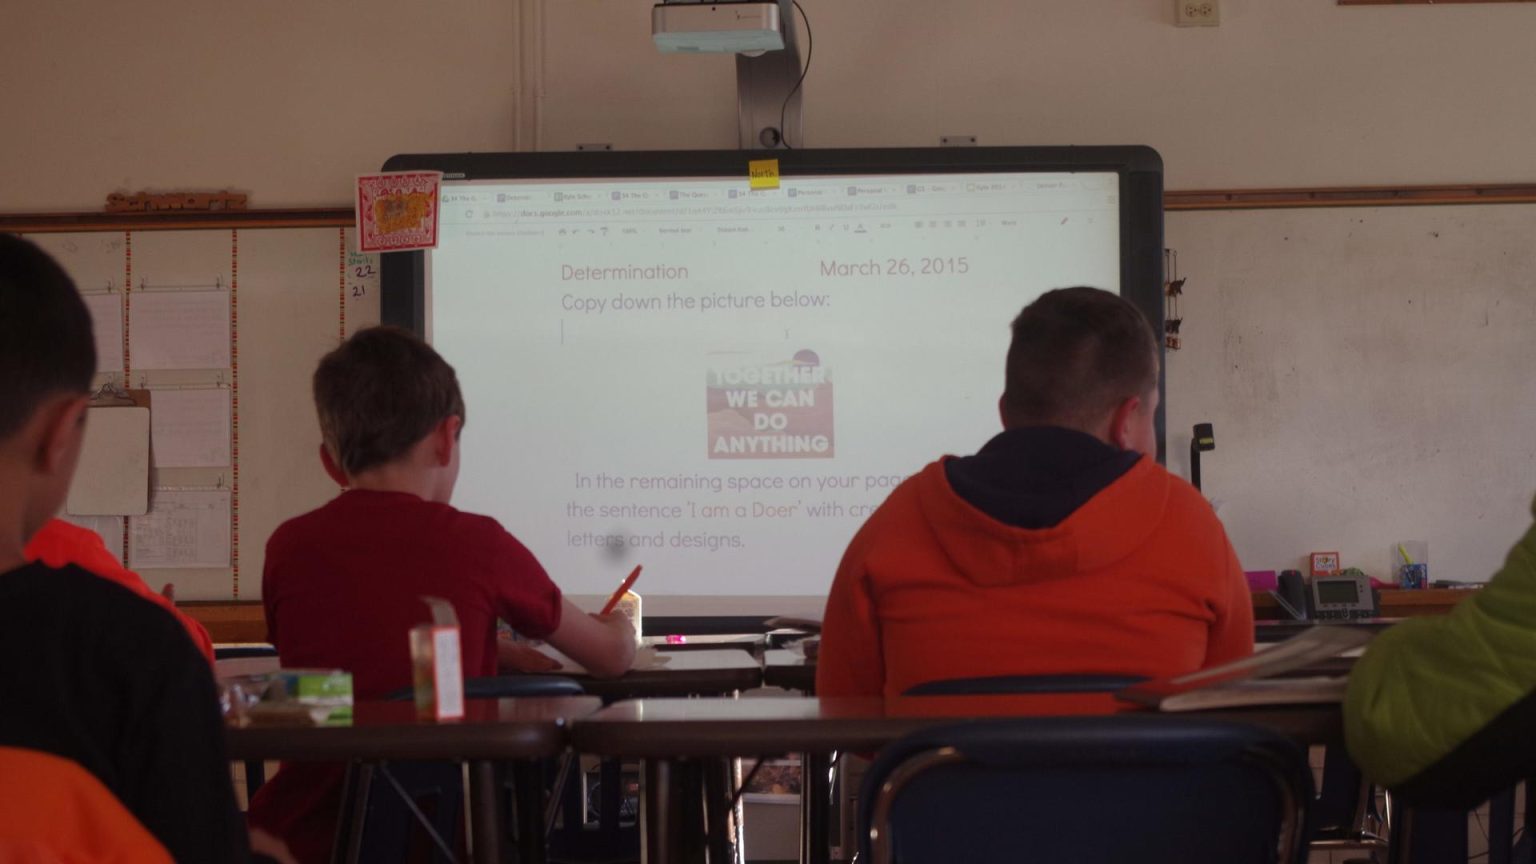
(1283, 93)
(289, 99)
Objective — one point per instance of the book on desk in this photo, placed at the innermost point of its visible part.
(1257, 679)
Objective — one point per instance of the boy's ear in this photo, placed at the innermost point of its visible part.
(1121, 431)
(445, 437)
(333, 470)
(63, 429)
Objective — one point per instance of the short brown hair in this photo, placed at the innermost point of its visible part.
(379, 394)
(1076, 354)
(46, 346)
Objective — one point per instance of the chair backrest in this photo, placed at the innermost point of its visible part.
(1098, 790)
(52, 809)
(1017, 684)
(507, 687)
(390, 812)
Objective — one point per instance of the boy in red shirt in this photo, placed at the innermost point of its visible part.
(1061, 547)
(343, 584)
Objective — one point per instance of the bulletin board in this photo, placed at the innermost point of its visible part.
(222, 328)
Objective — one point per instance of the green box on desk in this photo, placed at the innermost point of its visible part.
(320, 688)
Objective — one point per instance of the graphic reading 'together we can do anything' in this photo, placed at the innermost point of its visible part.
(766, 407)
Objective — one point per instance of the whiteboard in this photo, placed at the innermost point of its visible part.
(1371, 376)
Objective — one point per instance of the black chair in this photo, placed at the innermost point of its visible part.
(1088, 789)
(1344, 814)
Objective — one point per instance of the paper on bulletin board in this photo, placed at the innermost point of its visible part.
(397, 210)
(362, 291)
(107, 324)
(112, 476)
(108, 528)
(184, 528)
(190, 428)
(180, 330)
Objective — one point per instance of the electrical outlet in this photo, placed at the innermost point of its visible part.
(1197, 13)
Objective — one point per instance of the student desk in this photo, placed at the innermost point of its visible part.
(492, 731)
(668, 734)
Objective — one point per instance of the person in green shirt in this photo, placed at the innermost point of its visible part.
(1440, 709)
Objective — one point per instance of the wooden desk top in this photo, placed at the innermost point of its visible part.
(492, 729)
(663, 728)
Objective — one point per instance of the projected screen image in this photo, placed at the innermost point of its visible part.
(722, 384)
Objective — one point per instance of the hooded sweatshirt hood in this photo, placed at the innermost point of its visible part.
(1041, 503)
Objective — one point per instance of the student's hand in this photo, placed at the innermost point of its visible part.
(603, 644)
(169, 591)
(620, 622)
(512, 656)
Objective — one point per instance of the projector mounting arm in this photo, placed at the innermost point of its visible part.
(762, 82)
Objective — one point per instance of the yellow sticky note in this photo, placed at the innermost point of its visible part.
(764, 173)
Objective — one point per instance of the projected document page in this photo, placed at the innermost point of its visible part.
(722, 384)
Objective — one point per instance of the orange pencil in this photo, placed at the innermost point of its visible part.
(623, 586)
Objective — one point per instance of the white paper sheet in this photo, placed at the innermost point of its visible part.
(107, 323)
(184, 528)
(190, 428)
(108, 528)
(179, 330)
(112, 476)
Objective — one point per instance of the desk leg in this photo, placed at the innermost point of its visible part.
(815, 809)
(484, 820)
(1431, 836)
(722, 821)
(528, 792)
(658, 813)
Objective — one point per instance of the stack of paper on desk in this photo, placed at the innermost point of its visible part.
(1252, 681)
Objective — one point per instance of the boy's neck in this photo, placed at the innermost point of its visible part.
(13, 527)
(399, 477)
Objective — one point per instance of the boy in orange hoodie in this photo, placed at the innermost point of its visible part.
(1061, 547)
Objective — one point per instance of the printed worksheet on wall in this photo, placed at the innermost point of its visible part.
(180, 330)
(184, 528)
(189, 428)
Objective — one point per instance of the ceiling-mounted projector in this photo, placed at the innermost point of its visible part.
(726, 28)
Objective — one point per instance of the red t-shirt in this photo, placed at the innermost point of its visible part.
(342, 588)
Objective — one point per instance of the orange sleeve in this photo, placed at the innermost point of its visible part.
(59, 544)
(1232, 631)
(850, 662)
